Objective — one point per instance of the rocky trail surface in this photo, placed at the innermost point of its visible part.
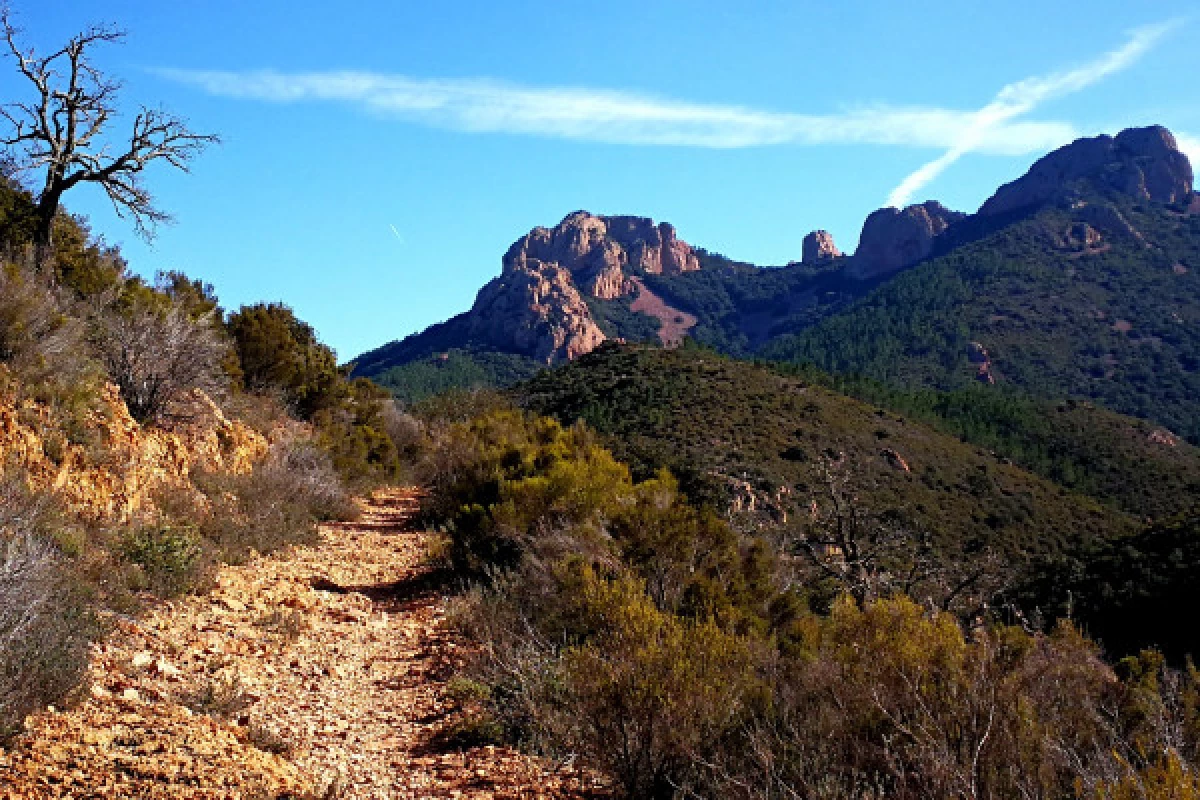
(316, 673)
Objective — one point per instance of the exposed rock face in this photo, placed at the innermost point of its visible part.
(893, 239)
(146, 459)
(1109, 220)
(535, 309)
(537, 304)
(597, 251)
(819, 247)
(651, 248)
(1144, 163)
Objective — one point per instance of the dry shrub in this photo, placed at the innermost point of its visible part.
(263, 411)
(156, 356)
(278, 504)
(221, 695)
(286, 624)
(45, 623)
(589, 665)
(270, 740)
(39, 338)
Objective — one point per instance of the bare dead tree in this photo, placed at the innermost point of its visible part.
(846, 543)
(63, 131)
(869, 556)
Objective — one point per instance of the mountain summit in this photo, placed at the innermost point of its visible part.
(1143, 163)
(538, 306)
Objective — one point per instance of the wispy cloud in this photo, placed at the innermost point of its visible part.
(621, 117)
(1018, 99)
(486, 106)
(1190, 145)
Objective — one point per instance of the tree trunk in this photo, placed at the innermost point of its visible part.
(43, 234)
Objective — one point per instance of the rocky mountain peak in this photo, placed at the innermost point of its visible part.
(598, 251)
(537, 305)
(894, 238)
(1144, 163)
(819, 247)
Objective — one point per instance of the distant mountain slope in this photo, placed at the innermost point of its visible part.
(743, 435)
(1054, 304)
(1080, 279)
(1121, 461)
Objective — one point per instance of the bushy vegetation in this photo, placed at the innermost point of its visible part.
(280, 355)
(740, 436)
(622, 624)
(46, 622)
(72, 319)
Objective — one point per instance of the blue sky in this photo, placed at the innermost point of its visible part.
(379, 157)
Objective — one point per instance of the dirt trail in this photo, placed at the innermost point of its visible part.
(333, 654)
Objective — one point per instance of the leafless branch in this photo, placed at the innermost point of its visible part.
(61, 130)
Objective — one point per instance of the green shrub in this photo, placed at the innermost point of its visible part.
(650, 696)
(171, 558)
(278, 351)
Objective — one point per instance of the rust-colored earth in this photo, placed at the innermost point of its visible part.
(673, 324)
(335, 655)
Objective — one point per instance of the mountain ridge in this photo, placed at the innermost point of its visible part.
(564, 291)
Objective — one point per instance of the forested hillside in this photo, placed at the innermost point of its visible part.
(1117, 322)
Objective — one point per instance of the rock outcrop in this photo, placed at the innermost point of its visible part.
(979, 356)
(1081, 237)
(1109, 220)
(535, 309)
(143, 460)
(598, 251)
(818, 247)
(537, 305)
(893, 239)
(1144, 163)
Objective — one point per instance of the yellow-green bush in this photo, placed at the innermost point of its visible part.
(650, 695)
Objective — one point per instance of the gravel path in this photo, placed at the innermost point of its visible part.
(315, 673)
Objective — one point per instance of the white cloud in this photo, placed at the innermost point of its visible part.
(1190, 145)
(1018, 99)
(486, 106)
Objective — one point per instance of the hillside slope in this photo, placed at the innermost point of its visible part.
(744, 437)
